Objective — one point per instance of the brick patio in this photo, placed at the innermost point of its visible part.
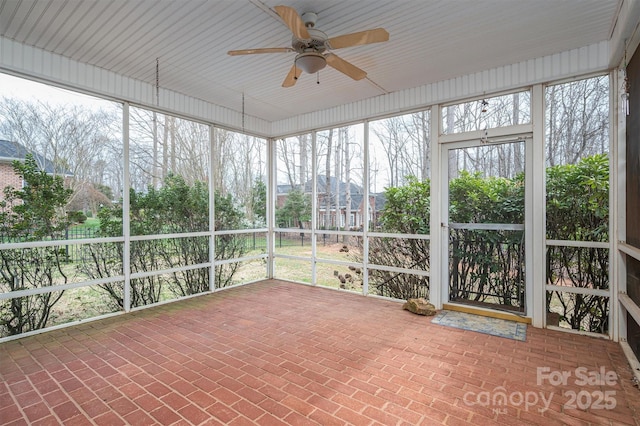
(280, 353)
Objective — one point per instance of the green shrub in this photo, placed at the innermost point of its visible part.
(406, 211)
(33, 213)
(578, 210)
(174, 208)
(485, 262)
(77, 217)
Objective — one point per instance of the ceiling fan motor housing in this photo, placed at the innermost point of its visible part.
(317, 42)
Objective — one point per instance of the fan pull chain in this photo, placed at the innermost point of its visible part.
(318, 77)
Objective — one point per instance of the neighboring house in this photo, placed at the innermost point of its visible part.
(86, 197)
(11, 151)
(328, 215)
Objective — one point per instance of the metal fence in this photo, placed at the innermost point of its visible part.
(251, 241)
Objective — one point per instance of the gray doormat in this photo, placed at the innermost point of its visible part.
(493, 326)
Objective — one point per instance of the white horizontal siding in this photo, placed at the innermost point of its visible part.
(589, 59)
(56, 69)
(47, 66)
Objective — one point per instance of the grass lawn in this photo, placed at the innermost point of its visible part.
(90, 223)
(87, 302)
(300, 270)
(80, 303)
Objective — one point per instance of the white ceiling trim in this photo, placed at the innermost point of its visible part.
(430, 42)
(585, 60)
(49, 67)
(41, 65)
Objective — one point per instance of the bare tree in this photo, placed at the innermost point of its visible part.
(577, 120)
(243, 165)
(190, 151)
(338, 177)
(391, 132)
(77, 142)
(305, 155)
(327, 180)
(405, 143)
(347, 176)
(419, 134)
(286, 161)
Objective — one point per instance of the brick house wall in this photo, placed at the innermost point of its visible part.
(8, 178)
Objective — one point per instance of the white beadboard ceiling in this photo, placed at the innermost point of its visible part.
(429, 41)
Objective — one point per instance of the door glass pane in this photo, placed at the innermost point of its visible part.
(486, 225)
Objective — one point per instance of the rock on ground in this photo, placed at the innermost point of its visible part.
(420, 306)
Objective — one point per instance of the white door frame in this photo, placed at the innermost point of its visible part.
(463, 141)
(535, 212)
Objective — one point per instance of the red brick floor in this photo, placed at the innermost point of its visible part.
(279, 353)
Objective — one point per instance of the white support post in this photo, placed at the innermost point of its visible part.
(126, 221)
(438, 281)
(535, 222)
(271, 209)
(314, 207)
(212, 209)
(618, 203)
(365, 216)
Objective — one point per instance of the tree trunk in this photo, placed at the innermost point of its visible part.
(424, 147)
(165, 147)
(303, 161)
(338, 173)
(327, 182)
(173, 144)
(154, 166)
(347, 178)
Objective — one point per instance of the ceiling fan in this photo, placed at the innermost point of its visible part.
(313, 46)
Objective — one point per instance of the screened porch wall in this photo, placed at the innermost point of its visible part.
(633, 197)
(21, 59)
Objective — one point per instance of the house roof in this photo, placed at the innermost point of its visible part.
(357, 192)
(283, 188)
(11, 151)
(334, 184)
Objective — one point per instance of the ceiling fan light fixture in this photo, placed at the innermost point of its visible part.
(310, 62)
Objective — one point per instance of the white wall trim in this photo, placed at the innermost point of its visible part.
(568, 64)
(51, 68)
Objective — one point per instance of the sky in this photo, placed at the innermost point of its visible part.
(24, 89)
(20, 88)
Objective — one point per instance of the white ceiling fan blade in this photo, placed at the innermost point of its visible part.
(292, 77)
(356, 39)
(293, 21)
(256, 51)
(345, 67)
